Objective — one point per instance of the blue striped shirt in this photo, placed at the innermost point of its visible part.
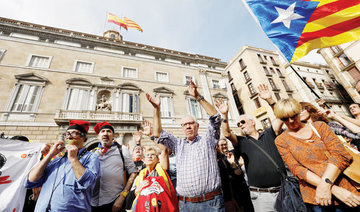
(197, 171)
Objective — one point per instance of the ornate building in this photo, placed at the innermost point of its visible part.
(249, 68)
(344, 60)
(50, 75)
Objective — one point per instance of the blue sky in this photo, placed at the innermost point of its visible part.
(209, 27)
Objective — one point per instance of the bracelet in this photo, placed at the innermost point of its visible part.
(200, 98)
(225, 120)
(152, 138)
(124, 193)
(272, 104)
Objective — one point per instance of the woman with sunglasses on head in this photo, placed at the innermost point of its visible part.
(322, 186)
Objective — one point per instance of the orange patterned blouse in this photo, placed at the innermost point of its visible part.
(309, 154)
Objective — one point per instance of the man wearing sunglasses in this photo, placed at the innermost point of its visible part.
(263, 178)
(197, 172)
(67, 182)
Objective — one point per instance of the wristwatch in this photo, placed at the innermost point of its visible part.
(225, 120)
(327, 180)
(200, 98)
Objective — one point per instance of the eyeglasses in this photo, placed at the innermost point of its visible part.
(188, 123)
(72, 134)
(150, 155)
(287, 118)
(241, 122)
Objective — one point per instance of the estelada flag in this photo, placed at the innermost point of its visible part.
(298, 26)
(116, 20)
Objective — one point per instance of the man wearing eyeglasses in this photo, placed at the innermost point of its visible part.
(67, 182)
(115, 160)
(263, 178)
(197, 172)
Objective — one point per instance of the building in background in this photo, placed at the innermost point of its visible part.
(49, 76)
(321, 79)
(344, 60)
(249, 68)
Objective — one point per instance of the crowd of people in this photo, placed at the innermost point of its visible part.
(215, 171)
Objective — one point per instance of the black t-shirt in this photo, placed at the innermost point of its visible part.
(260, 170)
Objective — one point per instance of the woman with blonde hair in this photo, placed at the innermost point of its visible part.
(304, 152)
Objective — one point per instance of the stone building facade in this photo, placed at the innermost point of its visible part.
(344, 60)
(50, 76)
(246, 71)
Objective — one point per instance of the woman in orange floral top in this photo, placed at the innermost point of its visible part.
(304, 153)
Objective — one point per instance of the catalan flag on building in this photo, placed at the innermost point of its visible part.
(116, 20)
(298, 26)
(131, 24)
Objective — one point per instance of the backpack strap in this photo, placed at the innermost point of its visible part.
(121, 154)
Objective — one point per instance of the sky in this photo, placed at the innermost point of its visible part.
(215, 28)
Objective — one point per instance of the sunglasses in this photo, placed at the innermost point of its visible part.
(241, 122)
(287, 118)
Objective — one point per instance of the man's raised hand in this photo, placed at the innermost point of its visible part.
(222, 106)
(154, 101)
(193, 90)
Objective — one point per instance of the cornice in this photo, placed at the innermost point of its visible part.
(50, 34)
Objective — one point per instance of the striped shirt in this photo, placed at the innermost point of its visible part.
(197, 171)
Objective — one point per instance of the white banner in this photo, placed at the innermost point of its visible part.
(16, 160)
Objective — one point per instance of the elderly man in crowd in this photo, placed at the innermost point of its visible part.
(198, 178)
(67, 182)
(111, 190)
(263, 178)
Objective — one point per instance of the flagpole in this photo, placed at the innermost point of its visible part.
(106, 17)
(312, 90)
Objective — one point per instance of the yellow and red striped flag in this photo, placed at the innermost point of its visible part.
(131, 24)
(298, 26)
(116, 20)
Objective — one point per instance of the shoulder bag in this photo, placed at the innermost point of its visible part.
(289, 198)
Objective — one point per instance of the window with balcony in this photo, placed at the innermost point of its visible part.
(229, 76)
(78, 99)
(277, 95)
(233, 88)
(261, 60)
(27, 93)
(129, 102)
(251, 89)
(216, 84)
(194, 107)
(273, 61)
(267, 73)
(162, 76)
(272, 70)
(344, 60)
(129, 72)
(242, 64)
(166, 106)
(188, 78)
(279, 73)
(84, 67)
(286, 86)
(39, 61)
(272, 84)
(257, 102)
(335, 49)
(247, 76)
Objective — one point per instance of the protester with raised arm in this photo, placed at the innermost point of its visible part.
(198, 178)
(263, 177)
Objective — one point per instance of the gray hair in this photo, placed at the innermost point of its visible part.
(247, 117)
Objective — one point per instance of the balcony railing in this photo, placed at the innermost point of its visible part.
(97, 116)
